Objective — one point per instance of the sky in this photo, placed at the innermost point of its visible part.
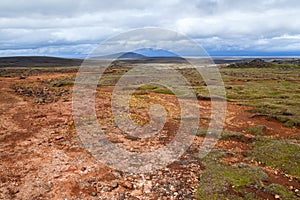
(68, 28)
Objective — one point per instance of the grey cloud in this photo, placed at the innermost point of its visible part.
(64, 8)
(38, 26)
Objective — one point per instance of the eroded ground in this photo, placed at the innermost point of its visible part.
(257, 157)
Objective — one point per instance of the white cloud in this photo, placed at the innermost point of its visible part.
(34, 26)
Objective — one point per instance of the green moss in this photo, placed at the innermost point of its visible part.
(163, 91)
(283, 193)
(62, 82)
(217, 177)
(289, 124)
(225, 135)
(256, 130)
(274, 92)
(148, 87)
(280, 154)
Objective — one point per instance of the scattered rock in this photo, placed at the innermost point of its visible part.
(256, 63)
(147, 187)
(137, 193)
(201, 97)
(93, 194)
(114, 184)
(131, 137)
(59, 137)
(126, 184)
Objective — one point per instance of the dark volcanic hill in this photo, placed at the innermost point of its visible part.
(121, 55)
(38, 61)
(131, 55)
(256, 63)
(292, 61)
(156, 53)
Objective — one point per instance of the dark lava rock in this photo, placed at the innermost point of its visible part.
(256, 63)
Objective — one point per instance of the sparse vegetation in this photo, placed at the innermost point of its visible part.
(277, 153)
(257, 130)
(149, 87)
(274, 92)
(281, 191)
(218, 179)
(42, 95)
(225, 135)
(62, 82)
(163, 91)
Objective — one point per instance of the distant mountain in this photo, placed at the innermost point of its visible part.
(133, 57)
(140, 53)
(38, 61)
(151, 52)
(129, 55)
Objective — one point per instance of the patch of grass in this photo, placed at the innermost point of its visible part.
(283, 193)
(280, 154)
(163, 91)
(109, 80)
(62, 82)
(225, 135)
(228, 135)
(257, 130)
(217, 178)
(289, 124)
(148, 87)
(274, 92)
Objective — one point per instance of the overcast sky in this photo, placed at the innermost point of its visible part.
(70, 28)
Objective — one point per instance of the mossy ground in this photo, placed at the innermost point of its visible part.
(221, 134)
(277, 153)
(62, 82)
(281, 191)
(239, 181)
(256, 130)
(274, 92)
(218, 179)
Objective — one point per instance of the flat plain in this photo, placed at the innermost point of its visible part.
(256, 157)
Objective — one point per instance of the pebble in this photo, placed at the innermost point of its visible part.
(117, 174)
(126, 184)
(137, 193)
(114, 184)
(147, 187)
(59, 137)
